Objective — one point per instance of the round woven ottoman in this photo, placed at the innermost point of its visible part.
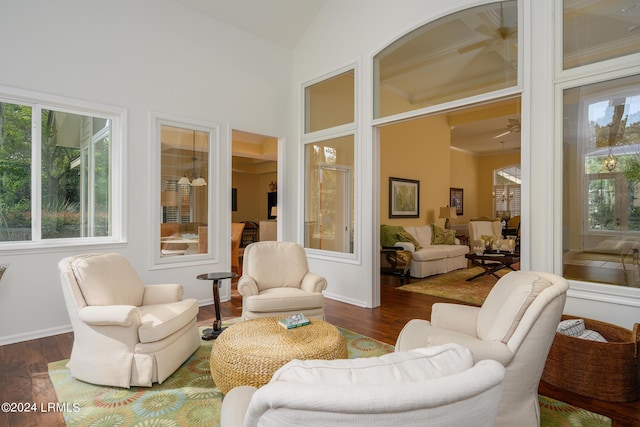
(250, 352)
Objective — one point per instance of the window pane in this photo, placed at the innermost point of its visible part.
(329, 195)
(596, 30)
(467, 53)
(330, 102)
(183, 191)
(75, 154)
(15, 172)
(601, 178)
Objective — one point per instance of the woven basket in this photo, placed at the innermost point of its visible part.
(607, 371)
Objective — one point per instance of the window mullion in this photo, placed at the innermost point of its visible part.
(36, 175)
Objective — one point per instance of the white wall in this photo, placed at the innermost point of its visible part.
(354, 31)
(144, 56)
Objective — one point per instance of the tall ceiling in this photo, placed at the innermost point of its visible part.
(283, 22)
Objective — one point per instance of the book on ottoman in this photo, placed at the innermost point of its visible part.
(294, 321)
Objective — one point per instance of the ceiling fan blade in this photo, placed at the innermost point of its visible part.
(502, 134)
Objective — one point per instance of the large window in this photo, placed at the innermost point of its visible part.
(329, 190)
(602, 179)
(329, 137)
(60, 170)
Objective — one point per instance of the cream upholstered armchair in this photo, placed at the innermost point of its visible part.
(125, 333)
(479, 228)
(438, 386)
(276, 281)
(515, 326)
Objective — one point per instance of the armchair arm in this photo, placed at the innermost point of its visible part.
(456, 317)
(110, 315)
(407, 246)
(481, 349)
(247, 286)
(235, 405)
(312, 282)
(161, 294)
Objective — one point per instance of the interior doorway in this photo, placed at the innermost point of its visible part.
(254, 185)
(458, 149)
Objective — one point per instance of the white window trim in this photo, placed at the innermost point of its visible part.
(322, 135)
(118, 116)
(156, 120)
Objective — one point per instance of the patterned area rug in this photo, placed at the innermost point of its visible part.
(189, 397)
(454, 285)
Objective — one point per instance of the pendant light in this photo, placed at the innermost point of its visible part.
(198, 181)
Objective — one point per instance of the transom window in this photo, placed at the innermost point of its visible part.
(467, 53)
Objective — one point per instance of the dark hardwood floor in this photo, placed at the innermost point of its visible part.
(24, 377)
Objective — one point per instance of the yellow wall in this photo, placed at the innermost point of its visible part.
(419, 149)
(252, 196)
(464, 174)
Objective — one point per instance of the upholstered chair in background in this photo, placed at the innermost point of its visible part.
(276, 281)
(438, 386)
(125, 333)
(515, 326)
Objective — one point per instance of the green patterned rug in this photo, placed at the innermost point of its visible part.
(454, 285)
(190, 398)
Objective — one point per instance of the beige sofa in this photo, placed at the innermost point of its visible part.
(433, 259)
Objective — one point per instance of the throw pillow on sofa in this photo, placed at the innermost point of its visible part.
(440, 236)
(390, 234)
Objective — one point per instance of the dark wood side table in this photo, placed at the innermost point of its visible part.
(212, 333)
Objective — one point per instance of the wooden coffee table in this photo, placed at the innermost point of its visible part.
(250, 352)
(492, 262)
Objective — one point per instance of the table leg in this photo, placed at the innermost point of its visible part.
(212, 333)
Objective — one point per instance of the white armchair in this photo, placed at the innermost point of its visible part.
(125, 333)
(437, 386)
(515, 326)
(477, 229)
(276, 281)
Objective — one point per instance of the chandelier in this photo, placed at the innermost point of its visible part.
(198, 181)
(610, 162)
(503, 197)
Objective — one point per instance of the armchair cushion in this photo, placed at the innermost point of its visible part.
(505, 305)
(283, 300)
(107, 279)
(416, 365)
(279, 265)
(161, 320)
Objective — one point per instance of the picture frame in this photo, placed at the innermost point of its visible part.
(456, 200)
(404, 198)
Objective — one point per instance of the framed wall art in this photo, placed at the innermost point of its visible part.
(456, 200)
(404, 198)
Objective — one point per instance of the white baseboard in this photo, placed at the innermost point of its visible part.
(33, 335)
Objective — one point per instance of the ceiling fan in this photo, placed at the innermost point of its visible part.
(501, 34)
(512, 127)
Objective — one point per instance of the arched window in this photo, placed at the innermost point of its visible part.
(465, 54)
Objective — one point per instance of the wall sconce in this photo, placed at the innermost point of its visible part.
(274, 211)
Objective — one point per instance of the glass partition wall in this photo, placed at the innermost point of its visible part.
(601, 141)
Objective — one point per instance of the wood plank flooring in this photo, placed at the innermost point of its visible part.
(24, 377)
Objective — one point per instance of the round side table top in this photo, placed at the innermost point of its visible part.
(216, 276)
(249, 352)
